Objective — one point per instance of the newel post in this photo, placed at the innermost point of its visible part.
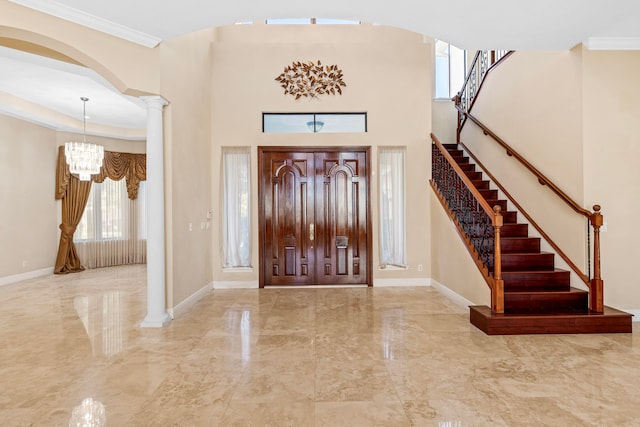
(497, 293)
(597, 284)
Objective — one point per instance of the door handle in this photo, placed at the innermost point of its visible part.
(311, 231)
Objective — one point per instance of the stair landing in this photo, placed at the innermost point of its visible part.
(610, 321)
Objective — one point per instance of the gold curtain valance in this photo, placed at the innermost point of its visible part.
(131, 167)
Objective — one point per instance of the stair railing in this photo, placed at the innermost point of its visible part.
(464, 101)
(478, 223)
(483, 62)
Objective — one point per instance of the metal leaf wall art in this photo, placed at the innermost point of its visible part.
(311, 79)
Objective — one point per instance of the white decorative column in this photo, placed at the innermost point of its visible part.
(157, 315)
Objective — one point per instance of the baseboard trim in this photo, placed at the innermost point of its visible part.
(7, 280)
(420, 281)
(235, 284)
(253, 284)
(635, 313)
(186, 305)
(363, 285)
(453, 296)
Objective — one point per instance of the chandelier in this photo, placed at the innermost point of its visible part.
(83, 158)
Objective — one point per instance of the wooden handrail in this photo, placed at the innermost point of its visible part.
(493, 61)
(542, 179)
(496, 283)
(596, 284)
(466, 80)
(519, 208)
(487, 208)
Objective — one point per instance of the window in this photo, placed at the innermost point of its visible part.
(112, 230)
(303, 21)
(236, 227)
(450, 69)
(392, 206)
(314, 122)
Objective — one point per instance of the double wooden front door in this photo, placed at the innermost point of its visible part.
(314, 216)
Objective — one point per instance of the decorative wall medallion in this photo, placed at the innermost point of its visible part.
(311, 79)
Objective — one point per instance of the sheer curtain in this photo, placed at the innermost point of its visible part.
(392, 206)
(113, 227)
(236, 227)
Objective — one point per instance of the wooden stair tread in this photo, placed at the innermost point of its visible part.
(610, 321)
(555, 270)
(569, 300)
(520, 244)
(509, 217)
(515, 230)
(527, 280)
(546, 292)
(517, 261)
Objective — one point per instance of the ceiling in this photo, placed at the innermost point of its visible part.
(469, 24)
(47, 91)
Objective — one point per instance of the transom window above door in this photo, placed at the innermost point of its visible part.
(314, 122)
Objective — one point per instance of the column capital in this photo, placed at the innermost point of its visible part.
(154, 101)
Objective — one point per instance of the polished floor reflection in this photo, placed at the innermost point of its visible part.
(295, 357)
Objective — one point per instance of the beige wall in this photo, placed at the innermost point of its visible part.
(186, 84)
(611, 178)
(444, 120)
(533, 101)
(388, 75)
(28, 225)
(452, 266)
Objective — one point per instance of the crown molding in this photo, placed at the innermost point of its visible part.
(613, 43)
(85, 19)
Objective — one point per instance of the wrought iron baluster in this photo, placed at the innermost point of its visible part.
(466, 209)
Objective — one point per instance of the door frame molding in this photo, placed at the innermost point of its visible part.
(312, 149)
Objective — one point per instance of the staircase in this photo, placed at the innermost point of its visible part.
(538, 298)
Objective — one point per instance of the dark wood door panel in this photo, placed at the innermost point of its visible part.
(341, 217)
(314, 217)
(288, 181)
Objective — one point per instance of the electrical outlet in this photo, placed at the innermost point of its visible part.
(24, 263)
(190, 227)
(419, 267)
(603, 227)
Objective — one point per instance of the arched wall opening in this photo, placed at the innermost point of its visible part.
(29, 152)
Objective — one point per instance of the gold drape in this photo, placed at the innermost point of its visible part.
(131, 167)
(74, 194)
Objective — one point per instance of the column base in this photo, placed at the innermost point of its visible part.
(156, 321)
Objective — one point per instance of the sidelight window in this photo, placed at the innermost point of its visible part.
(392, 206)
(236, 227)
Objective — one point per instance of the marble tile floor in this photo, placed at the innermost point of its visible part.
(296, 357)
